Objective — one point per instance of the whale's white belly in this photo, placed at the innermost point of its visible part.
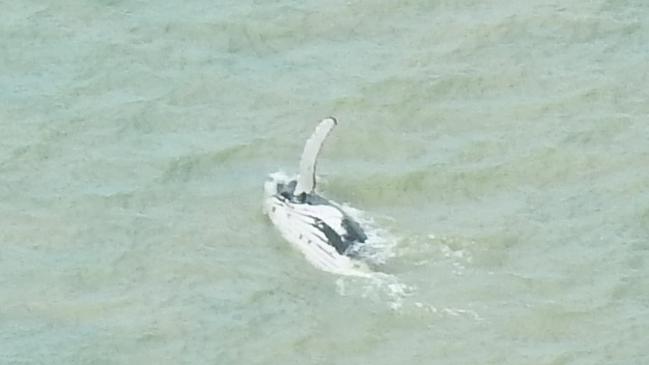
(300, 229)
(298, 224)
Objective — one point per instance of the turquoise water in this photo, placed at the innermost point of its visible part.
(502, 146)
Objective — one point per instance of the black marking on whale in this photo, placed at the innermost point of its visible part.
(353, 234)
(333, 238)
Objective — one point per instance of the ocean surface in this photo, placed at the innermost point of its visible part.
(501, 148)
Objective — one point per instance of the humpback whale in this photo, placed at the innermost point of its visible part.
(320, 228)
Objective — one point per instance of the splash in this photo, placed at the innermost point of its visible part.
(377, 286)
(377, 250)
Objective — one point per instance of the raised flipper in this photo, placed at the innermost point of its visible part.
(306, 180)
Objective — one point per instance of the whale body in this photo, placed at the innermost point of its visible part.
(318, 227)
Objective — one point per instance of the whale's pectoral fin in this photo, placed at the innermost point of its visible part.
(306, 180)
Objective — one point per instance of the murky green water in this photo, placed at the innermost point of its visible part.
(503, 145)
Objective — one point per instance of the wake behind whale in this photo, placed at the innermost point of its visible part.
(328, 236)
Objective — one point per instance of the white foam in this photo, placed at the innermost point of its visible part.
(378, 286)
(380, 244)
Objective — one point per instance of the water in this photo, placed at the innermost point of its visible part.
(503, 146)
